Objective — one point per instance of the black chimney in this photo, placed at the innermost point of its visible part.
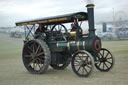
(90, 10)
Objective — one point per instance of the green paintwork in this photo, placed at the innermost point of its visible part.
(71, 46)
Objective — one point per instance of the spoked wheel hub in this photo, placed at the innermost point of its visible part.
(36, 56)
(82, 63)
(102, 60)
(105, 60)
(33, 55)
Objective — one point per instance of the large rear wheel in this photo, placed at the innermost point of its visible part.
(36, 56)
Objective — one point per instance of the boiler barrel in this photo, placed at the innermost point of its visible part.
(91, 44)
(72, 45)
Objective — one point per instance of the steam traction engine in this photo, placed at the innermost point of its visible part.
(48, 42)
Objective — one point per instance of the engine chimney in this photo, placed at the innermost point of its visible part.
(90, 10)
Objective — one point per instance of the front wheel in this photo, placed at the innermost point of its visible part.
(105, 60)
(82, 63)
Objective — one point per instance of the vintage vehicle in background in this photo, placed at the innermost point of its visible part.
(16, 35)
(51, 44)
(122, 33)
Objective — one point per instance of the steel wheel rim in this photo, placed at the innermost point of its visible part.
(105, 60)
(82, 64)
(34, 56)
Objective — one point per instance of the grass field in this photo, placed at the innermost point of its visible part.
(12, 71)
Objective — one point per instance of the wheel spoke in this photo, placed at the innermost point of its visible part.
(106, 65)
(40, 54)
(109, 62)
(40, 60)
(77, 61)
(89, 62)
(109, 58)
(103, 53)
(79, 68)
(60, 29)
(55, 29)
(80, 58)
(30, 49)
(41, 57)
(77, 65)
(38, 49)
(103, 66)
(85, 56)
(88, 66)
(99, 64)
(85, 69)
(107, 55)
(86, 60)
(33, 48)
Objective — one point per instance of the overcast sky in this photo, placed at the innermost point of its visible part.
(12, 11)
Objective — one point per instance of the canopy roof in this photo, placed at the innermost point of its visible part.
(81, 16)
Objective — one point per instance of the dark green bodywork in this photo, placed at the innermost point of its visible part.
(72, 46)
(69, 46)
